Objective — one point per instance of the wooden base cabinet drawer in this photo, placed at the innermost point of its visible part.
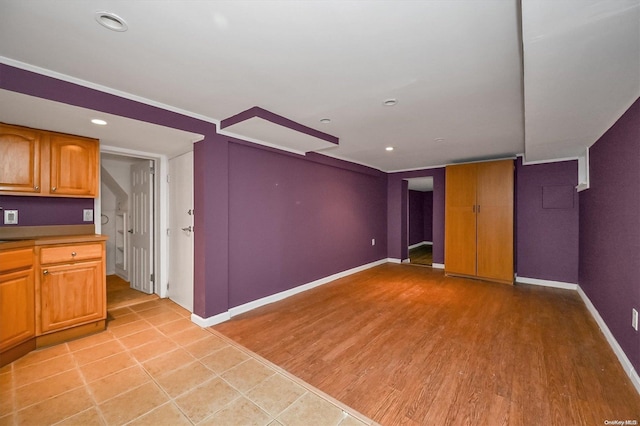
(16, 259)
(71, 294)
(70, 253)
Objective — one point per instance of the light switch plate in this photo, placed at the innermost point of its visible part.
(11, 217)
(87, 215)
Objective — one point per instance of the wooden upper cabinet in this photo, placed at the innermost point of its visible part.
(73, 165)
(479, 220)
(37, 162)
(20, 159)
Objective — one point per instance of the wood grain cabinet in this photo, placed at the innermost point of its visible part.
(42, 163)
(479, 220)
(72, 286)
(17, 304)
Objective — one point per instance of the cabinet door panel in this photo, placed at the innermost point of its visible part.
(495, 220)
(460, 219)
(17, 308)
(20, 156)
(74, 166)
(71, 295)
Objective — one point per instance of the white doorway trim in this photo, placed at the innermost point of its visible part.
(161, 212)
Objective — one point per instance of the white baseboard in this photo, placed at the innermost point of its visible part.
(237, 310)
(437, 265)
(622, 357)
(547, 283)
(393, 260)
(208, 322)
(420, 244)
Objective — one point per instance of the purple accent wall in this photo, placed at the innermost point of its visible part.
(547, 221)
(397, 212)
(292, 221)
(40, 211)
(610, 230)
(428, 216)
(210, 275)
(416, 217)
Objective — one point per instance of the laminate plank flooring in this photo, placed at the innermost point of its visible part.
(406, 345)
(422, 255)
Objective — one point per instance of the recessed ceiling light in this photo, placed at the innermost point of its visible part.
(111, 21)
(99, 122)
(325, 120)
(389, 148)
(390, 102)
(438, 140)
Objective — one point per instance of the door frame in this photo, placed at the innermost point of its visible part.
(160, 212)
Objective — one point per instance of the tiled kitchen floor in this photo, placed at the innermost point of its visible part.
(153, 366)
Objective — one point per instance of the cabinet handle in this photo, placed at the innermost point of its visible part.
(54, 189)
(36, 187)
(474, 208)
(73, 254)
(478, 208)
(45, 272)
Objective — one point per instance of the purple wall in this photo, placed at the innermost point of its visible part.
(610, 230)
(397, 213)
(292, 221)
(428, 216)
(39, 211)
(547, 221)
(416, 217)
(420, 216)
(210, 281)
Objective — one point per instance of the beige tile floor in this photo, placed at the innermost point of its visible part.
(153, 366)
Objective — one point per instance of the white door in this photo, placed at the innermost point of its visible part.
(181, 230)
(141, 226)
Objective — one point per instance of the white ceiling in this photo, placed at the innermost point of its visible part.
(455, 67)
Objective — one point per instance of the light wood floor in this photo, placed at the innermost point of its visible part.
(120, 293)
(422, 255)
(406, 345)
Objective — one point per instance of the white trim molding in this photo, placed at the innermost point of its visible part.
(393, 260)
(237, 310)
(622, 357)
(437, 265)
(420, 244)
(546, 283)
(208, 322)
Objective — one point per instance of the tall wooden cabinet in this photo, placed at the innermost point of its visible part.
(42, 163)
(479, 220)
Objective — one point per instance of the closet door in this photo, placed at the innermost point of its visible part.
(460, 219)
(495, 220)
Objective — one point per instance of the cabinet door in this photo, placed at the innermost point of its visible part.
(460, 219)
(20, 156)
(495, 220)
(17, 308)
(74, 166)
(71, 294)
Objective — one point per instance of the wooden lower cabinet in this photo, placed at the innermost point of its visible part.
(71, 287)
(51, 291)
(17, 304)
(71, 295)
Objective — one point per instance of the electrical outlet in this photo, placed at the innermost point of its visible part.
(87, 215)
(373, 241)
(11, 217)
(634, 319)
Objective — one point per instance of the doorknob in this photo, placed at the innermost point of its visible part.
(191, 211)
(188, 229)
(130, 231)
